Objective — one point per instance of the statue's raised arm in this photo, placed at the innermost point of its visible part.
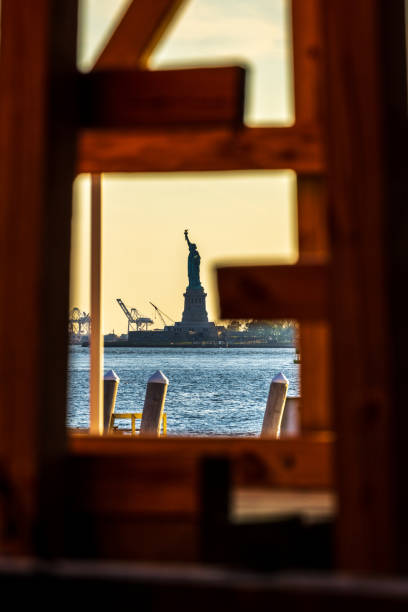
(186, 237)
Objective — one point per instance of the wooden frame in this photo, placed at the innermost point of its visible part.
(300, 147)
(37, 154)
(338, 130)
(228, 148)
(359, 278)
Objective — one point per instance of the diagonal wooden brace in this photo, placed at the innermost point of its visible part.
(138, 33)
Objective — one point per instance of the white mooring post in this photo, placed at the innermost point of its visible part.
(154, 404)
(290, 426)
(275, 406)
(110, 388)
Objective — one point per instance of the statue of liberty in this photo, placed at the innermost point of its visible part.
(193, 264)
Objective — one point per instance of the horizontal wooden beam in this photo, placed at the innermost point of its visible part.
(138, 33)
(142, 498)
(131, 467)
(154, 99)
(214, 150)
(274, 292)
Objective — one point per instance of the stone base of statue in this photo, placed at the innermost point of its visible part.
(195, 317)
(194, 306)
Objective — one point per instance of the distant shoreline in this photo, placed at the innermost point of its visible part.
(125, 344)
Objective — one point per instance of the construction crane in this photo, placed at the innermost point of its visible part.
(161, 314)
(85, 324)
(79, 324)
(136, 322)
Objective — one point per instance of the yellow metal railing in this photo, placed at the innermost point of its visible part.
(133, 416)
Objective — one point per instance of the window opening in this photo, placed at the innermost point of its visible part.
(220, 376)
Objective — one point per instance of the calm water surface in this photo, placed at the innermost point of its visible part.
(211, 391)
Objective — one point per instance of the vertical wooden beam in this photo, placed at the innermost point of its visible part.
(366, 538)
(315, 412)
(37, 152)
(313, 219)
(314, 336)
(96, 393)
(395, 101)
(308, 53)
(308, 61)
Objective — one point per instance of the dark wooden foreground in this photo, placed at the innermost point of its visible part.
(200, 588)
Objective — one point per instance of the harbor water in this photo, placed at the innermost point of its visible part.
(211, 391)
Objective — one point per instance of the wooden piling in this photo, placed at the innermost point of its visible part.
(110, 388)
(154, 404)
(290, 425)
(275, 406)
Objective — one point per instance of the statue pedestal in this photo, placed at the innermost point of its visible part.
(194, 306)
(195, 317)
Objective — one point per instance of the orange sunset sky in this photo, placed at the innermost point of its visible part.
(233, 217)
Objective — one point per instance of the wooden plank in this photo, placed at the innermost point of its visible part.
(315, 413)
(253, 504)
(138, 33)
(214, 150)
(96, 350)
(395, 96)
(308, 64)
(142, 498)
(163, 98)
(303, 463)
(308, 61)
(314, 242)
(274, 292)
(37, 150)
(314, 336)
(367, 533)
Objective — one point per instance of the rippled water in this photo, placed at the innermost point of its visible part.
(211, 391)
